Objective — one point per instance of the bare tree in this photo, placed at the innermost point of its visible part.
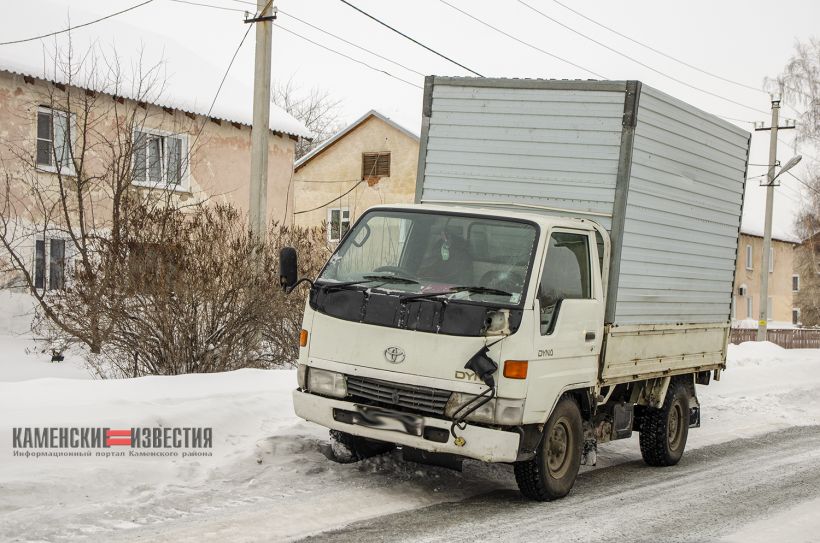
(66, 194)
(316, 108)
(799, 84)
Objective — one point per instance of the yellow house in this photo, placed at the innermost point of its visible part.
(372, 161)
(783, 282)
(192, 155)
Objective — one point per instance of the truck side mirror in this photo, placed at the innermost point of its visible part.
(288, 273)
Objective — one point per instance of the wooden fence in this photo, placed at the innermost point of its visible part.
(797, 338)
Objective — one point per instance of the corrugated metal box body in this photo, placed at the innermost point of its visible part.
(664, 177)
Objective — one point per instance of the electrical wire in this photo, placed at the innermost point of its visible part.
(69, 29)
(351, 43)
(633, 40)
(485, 23)
(399, 32)
(189, 2)
(339, 197)
(385, 72)
(636, 61)
(805, 184)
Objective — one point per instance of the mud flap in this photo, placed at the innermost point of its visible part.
(694, 417)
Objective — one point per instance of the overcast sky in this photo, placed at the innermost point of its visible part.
(740, 40)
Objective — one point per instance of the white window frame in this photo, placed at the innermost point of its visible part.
(734, 308)
(750, 309)
(770, 308)
(185, 161)
(795, 315)
(342, 221)
(67, 168)
(749, 256)
(796, 276)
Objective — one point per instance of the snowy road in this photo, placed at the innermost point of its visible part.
(750, 473)
(712, 494)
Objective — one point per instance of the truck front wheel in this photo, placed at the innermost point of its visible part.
(663, 431)
(552, 472)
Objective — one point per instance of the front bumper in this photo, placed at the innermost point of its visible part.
(481, 443)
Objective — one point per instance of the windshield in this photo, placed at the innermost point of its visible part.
(431, 255)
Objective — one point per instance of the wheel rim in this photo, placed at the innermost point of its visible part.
(558, 449)
(674, 433)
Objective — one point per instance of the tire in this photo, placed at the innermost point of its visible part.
(552, 472)
(663, 431)
(346, 448)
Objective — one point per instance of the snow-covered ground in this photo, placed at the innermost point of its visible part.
(267, 478)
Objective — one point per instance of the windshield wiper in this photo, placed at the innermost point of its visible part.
(367, 279)
(453, 290)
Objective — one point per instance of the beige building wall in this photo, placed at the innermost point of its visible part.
(333, 177)
(218, 153)
(748, 276)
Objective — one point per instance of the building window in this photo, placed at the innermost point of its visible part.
(748, 257)
(338, 223)
(734, 307)
(49, 266)
(795, 316)
(375, 165)
(769, 309)
(771, 259)
(795, 283)
(749, 307)
(160, 160)
(54, 135)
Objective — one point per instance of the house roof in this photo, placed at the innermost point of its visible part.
(778, 236)
(184, 94)
(342, 133)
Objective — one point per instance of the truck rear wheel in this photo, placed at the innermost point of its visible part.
(346, 448)
(552, 472)
(663, 431)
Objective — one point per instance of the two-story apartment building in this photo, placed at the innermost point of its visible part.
(783, 281)
(193, 155)
(372, 161)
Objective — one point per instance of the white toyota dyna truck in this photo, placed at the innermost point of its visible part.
(564, 279)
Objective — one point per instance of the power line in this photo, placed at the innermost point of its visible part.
(636, 61)
(69, 29)
(189, 2)
(521, 41)
(804, 183)
(351, 43)
(784, 142)
(399, 32)
(633, 40)
(348, 57)
(335, 198)
(224, 77)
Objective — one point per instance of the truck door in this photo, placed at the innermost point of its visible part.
(569, 308)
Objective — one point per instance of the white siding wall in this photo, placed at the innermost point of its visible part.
(682, 215)
(556, 148)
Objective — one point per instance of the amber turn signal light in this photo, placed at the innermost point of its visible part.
(515, 369)
(303, 335)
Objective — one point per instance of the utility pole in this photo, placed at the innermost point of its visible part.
(261, 117)
(767, 232)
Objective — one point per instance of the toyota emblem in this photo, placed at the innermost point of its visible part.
(394, 355)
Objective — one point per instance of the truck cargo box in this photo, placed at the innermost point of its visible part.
(665, 178)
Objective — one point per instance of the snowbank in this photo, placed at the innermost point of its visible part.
(268, 464)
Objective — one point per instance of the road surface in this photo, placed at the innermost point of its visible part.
(715, 493)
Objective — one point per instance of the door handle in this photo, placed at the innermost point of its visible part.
(590, 336)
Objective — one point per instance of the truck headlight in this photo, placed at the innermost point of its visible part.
(326, 383)
(497, 411)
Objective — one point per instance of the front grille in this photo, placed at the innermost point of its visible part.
(412, 397)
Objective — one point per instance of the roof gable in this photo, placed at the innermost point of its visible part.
(347, 130)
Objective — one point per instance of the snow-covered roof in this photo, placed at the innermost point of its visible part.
(757, 230)
(342, 133)
(179, 92)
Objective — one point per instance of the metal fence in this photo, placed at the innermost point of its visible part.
(797, 338)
